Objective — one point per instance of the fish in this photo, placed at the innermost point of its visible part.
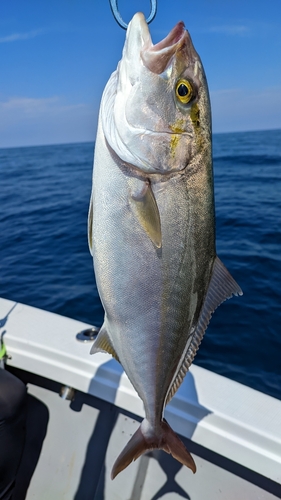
(151, 225)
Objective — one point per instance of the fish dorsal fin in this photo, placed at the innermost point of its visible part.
(145, 209)
(90, 226)
(221, 287)
(103, 343)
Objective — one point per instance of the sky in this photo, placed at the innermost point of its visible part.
(57, 55)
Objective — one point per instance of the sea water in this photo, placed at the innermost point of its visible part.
(45, 261)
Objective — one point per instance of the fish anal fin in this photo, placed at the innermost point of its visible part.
(145, 209)
(145, 439)
(103, 343)
(221, 287)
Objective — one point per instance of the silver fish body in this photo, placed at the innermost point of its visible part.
(152, 224)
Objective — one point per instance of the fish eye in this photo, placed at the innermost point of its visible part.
(184, 91)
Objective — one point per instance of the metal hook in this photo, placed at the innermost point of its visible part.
(118, 18)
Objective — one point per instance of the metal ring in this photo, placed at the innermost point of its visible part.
(88, 335)
(119, 20)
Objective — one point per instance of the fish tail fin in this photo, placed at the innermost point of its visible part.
(135, 447)
(144, 439)
(173, 445)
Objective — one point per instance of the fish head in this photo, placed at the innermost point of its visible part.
(156, 112)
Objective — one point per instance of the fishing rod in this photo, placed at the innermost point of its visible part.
(118, 18)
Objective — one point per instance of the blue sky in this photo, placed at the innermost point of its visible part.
(56, 56)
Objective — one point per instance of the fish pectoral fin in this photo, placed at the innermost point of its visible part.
(90, 226)
(221, 287)
(145, 209)
(103, 343)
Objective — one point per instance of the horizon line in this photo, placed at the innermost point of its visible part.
(93, 141)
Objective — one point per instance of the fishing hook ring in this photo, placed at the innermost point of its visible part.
(118, 18)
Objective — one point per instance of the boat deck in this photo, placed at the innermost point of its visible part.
(233, 432)
(71, 446)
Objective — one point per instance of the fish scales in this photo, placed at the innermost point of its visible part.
(152, 225)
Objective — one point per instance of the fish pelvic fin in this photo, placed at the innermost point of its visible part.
(221, 287)
(103, 343)
(145, 439)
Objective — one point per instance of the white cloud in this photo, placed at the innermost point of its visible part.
(27, 107)
(246, 109)
(21, 36)
(247, 27)
(52, 120)
(228, 29)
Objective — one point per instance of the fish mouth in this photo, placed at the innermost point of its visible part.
(157, 57)
(171, 39)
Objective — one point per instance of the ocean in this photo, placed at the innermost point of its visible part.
(45, 262)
